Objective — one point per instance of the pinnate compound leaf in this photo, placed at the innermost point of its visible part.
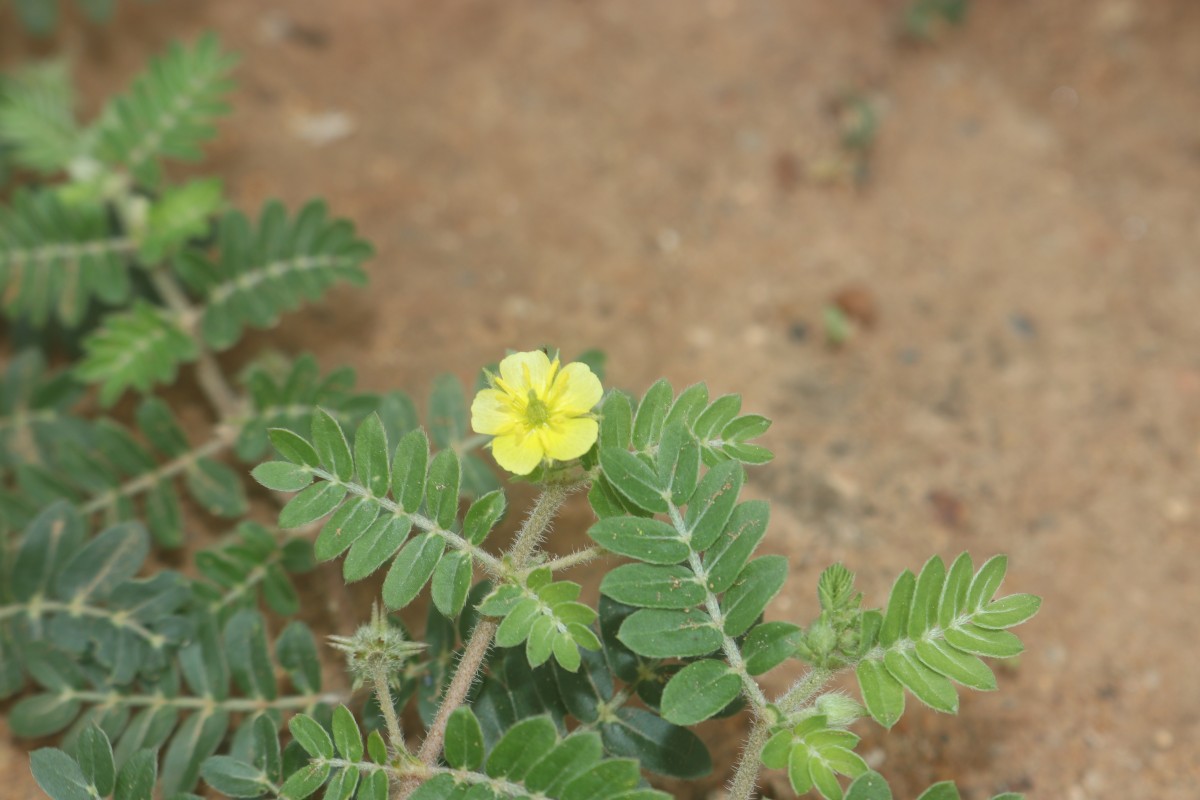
(699, 691)
(463, 748)
(135, 349)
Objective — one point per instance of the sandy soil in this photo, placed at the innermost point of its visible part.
(661, 179)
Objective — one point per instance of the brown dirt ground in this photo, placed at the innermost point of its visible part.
(655, 178)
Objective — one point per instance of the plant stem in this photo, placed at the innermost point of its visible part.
(523, 550)
(208, 372)
(383, 694)
(803, 689)
(745, 779)
(573, 559)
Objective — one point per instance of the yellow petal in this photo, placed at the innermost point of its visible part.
(517, 453)
(576, 390)
(492, 413)
(524, 371)
(567, 439)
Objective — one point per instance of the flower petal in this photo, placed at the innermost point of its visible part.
(492, 413)
(576, 390)
(519, 454)
(571, 438)
(524, 371)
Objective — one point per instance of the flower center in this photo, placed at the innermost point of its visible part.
(537, 413)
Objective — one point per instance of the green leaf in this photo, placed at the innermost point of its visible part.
(135, 349)
(649, 586)
(634, 479)
(869, 786)
(408, 470)
(983, 642)
(651, 413)
(196, 740)
(895, 620)
(447, 412)
(138, 776)
(883, 694)
(42, 714)
(954, 591)
(377, 545)
(657, 633)
(572, 755)
(217, 488)
(714, 418)
(452, 582)
(483, 515)
(986, 582)
(371, 456)
(346, 734)
(945, 790)
(37, 118)
(306, 780)
(343, 785)
(311, 736)
(745, 600)
(95, 757)
(413, 566)
(168, 111)
(699, 691)
(297, 653)
(603, 780)
(1007, 611)
(234, 778)
(463, 748)
(345, 527)
(282, 476)
(929, 687)
(688, 406)
(642, 538)
(249, 657)
(616, 421)
(441, 492)
(56, 258)
(59, 775)
(926, 596)
(769, 645)
(311, 504)
(712, 504)
(180, 214)
(294, 447)
(962, 667)
(522, 746)
(331, 445)
(728, 555)
(658, 745)
(678, 462)
(110, 559)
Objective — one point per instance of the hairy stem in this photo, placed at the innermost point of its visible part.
(745, 778)
(803, 690)
(573, 559)
(383, 694)
(523, 550)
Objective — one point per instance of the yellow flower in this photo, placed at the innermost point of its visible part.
(537, 411)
